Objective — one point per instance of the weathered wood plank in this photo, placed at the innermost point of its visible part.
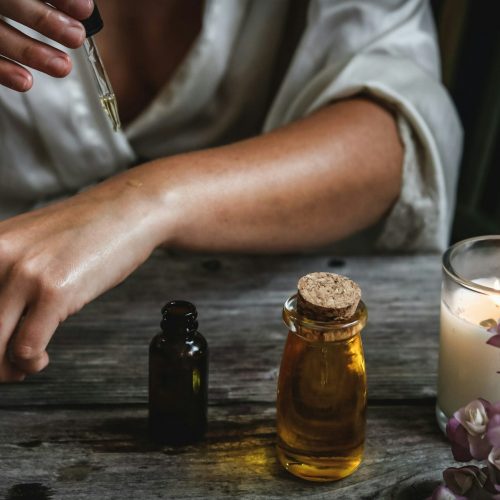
(104, 453)
(100, 355)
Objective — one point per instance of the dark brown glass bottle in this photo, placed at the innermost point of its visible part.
(178, 377)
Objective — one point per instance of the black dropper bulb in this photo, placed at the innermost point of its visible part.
(94, 23)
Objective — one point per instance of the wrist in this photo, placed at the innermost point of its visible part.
(145, 202)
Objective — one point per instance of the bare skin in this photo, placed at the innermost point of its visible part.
(132, 61)
(310, 183)
(19, 52)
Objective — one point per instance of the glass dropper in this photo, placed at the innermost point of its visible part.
(93, 25)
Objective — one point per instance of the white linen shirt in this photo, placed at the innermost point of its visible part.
(55, 139)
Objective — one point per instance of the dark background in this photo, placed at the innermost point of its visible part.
(469, 33)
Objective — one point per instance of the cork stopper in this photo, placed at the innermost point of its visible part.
(327, 297)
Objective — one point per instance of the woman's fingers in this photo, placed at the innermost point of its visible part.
(27, 348)
(37, 55)
(58, 21)
(46, 20)
(30, 366)
(77, 9)
(14, 76)
(29, 306)
(11, 310)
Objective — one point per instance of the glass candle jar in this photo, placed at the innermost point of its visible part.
(469, 357)
(321, 402)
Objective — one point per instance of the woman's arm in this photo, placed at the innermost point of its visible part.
(310, 183)
(313, 182)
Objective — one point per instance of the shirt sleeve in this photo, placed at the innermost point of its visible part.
(388, 50)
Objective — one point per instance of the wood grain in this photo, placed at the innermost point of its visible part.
(104, 453)
(78, 430)
(100, 355)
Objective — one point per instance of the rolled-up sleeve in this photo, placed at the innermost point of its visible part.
(387, 49)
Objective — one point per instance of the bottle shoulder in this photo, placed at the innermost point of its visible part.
(200, 340)
(197, 345)
(192, 345)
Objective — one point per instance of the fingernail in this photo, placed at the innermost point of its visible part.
(58, 65)
(21, 83)
(74, 35)
(86, 6)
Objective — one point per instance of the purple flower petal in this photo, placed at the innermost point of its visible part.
(464, 480)
(489, 485)
(479, 447)
(443, 493)
(493, 409)
(459, 442)
(493, 430)
(487, 405)
(460, 454)
(494, 341)
(494, 467)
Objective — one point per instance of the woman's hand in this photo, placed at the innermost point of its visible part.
(59, 23)
(55, 260)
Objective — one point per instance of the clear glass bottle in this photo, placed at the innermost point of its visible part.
(178, 377)
(321, 402)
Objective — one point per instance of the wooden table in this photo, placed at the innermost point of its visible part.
(78, 430)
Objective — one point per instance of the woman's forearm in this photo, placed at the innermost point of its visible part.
(308, 184)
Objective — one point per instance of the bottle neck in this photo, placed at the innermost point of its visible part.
(314, 330)
(178, 328)
(179, 319)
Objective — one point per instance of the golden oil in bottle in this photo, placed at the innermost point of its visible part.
(321, 401)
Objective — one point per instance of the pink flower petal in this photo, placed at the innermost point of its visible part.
(494, 341)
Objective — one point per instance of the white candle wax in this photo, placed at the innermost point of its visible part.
(468, 366)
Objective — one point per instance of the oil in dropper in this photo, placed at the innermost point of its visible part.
(93, 25)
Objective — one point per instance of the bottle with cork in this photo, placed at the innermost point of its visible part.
(321, 401)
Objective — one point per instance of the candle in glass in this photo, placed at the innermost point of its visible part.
(469, 361)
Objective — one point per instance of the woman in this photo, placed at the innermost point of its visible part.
(353, 133)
